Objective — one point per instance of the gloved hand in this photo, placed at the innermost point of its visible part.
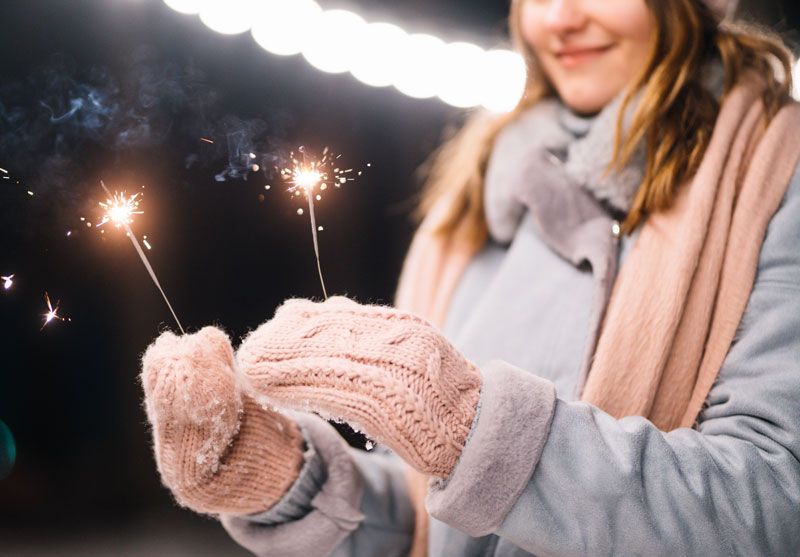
(218, 451)
(387, 373)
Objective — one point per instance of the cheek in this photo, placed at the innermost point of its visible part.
(532, 25)
(630, 20)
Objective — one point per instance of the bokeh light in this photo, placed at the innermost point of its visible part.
(462, 83)
(333, 41)
(282, 26)
(230, 17)
(8, 451)
(186, 6)
(504, 73)
(377, 54)
(796, 80)
(419, 70)
(376, 65)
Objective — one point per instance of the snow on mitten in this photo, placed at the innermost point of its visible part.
(217, 451)
(387, 373)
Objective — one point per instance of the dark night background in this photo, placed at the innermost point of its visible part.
(84, 481)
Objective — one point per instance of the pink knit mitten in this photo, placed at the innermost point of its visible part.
(218, 451)
(386, 372)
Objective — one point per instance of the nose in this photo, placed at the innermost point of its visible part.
(564, 16)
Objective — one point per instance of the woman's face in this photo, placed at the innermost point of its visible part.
(589, 49)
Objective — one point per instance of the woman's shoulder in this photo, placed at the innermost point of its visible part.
(779, 261)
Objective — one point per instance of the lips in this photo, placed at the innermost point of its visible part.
(575, 56)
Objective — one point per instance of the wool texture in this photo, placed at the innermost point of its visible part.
(388, 373)
(216, 450)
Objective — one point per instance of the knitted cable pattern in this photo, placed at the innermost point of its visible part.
(217, 451)
(387, 373)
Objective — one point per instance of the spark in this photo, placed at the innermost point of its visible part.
(120, 209)
(307, 176)
(30, 193)
(52, 312)
(123, 218)
(3, 170)
(7, 281)
(206, 140)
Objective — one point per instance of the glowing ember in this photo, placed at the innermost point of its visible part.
(7, 281)
(120, 209)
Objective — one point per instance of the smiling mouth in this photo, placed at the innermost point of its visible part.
(577, 56)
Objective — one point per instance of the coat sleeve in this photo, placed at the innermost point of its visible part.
(345, 502)
(602, 486)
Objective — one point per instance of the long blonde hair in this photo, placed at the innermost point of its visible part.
(674, 118)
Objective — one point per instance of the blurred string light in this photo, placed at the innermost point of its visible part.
(377, 54)
(796, 80)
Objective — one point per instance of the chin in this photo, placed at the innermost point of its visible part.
(587, 94)
(587, 105)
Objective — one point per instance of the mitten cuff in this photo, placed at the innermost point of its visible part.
(335, 508)
(498, 460)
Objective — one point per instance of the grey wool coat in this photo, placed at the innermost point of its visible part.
(543, 473)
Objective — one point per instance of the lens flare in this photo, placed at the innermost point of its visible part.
(8, 451)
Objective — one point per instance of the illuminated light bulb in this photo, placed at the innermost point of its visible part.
(796, 80)
(382, 48)
(332, 44)
(419, 68)
(462, 82)
(188, 7)
(504, 80)
(282, 26)
(230, 17)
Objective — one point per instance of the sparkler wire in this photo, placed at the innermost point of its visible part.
(316, 244)
(147, 265)
(312, 217)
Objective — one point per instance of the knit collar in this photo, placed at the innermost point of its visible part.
(580, 147)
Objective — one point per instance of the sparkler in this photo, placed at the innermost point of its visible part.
(7, 281)
(120, 211)
(307, 178)
(52, 313)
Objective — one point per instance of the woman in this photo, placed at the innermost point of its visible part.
(615, 263)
